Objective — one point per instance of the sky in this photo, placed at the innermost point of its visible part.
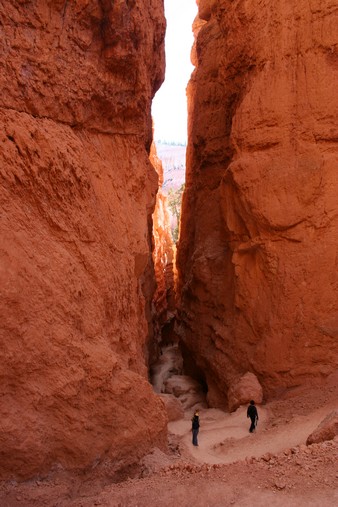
(169, 108)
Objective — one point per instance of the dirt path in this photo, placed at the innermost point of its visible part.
(229, 468)
(224, 438)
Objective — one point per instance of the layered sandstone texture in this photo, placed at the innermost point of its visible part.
(257, 258)
(77, 196)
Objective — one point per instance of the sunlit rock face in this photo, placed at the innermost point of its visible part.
(163, 256)
(257, 257)
(77, 197)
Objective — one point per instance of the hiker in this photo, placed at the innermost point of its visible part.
(253, 414)
(195, 427)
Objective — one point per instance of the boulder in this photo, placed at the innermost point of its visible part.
(245, 389)
(327, 430)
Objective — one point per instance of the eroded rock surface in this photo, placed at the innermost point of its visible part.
(163, 257)
(187, 390)
(257, 258)
(168, 364)
(77, 195)
(246, 388)
(173, 406)
(327, 430)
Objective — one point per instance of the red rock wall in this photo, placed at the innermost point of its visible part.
(257, 256)
(163, 256)
(77, 195)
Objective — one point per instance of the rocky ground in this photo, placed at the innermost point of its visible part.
(230, 467)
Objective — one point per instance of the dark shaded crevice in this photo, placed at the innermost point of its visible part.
(191, 369)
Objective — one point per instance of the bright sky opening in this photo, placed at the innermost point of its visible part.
(169, 108)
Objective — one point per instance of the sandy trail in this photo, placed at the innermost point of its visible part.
(224, 438)
(286, 476)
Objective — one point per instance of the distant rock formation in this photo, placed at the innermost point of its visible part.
(173, 160)
(77, 196)
(257, 255)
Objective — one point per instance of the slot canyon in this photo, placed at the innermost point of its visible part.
(96, 301)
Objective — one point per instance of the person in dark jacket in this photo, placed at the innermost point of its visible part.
(195, 427)
(253, 414)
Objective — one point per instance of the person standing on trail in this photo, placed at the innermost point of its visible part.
(195, 427)
(253, 414)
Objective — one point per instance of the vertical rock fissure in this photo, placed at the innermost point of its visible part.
(172, 370)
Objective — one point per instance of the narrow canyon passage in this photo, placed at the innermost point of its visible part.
(95, 301)
(257, 254)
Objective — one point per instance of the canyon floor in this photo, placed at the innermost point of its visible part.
(230, 467)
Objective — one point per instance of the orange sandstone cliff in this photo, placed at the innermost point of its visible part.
(257, 257)
(163, 256)
(77, 195)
